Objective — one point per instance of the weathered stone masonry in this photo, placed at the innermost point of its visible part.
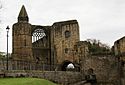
(51, 45)
(52, 48)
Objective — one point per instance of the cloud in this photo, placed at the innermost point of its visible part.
(100, 19)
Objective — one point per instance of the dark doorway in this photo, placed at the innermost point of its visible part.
(65, 65)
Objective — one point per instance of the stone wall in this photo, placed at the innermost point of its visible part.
(119, 50)
(123, 77)
(105, 68)
(61, 77)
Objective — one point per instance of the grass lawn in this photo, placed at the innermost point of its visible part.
(25, 81)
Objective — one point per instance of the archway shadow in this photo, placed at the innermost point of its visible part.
(65, 64)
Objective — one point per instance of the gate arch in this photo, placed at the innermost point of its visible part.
(65, 64)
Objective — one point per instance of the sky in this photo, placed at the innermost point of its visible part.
(98, 19)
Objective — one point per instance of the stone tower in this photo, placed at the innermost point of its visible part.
(65, 36)
(22, 38)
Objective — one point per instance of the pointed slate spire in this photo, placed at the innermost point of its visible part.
(23, 15)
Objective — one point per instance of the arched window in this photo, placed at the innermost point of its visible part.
(38, 34)
(66, 50)
(67, 34)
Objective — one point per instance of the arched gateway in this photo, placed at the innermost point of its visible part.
(45, 47)
(64, 65)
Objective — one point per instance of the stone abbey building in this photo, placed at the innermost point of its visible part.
(52, 48)
(55, 46)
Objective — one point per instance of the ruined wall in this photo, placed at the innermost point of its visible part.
(123, 78)
(119, 50)
(105, 68)
(81, 51)
(41, 43)
(119, 46)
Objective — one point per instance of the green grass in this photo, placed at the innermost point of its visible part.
(25, 81)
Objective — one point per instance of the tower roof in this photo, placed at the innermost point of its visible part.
(23, 16)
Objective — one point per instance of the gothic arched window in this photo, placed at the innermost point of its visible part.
(38, 34)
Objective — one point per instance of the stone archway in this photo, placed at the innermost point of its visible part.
(65, 64)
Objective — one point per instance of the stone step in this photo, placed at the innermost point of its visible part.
(81, 83)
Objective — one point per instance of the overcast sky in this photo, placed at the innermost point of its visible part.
(100, 19)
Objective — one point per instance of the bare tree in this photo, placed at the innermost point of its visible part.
(97, 47)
